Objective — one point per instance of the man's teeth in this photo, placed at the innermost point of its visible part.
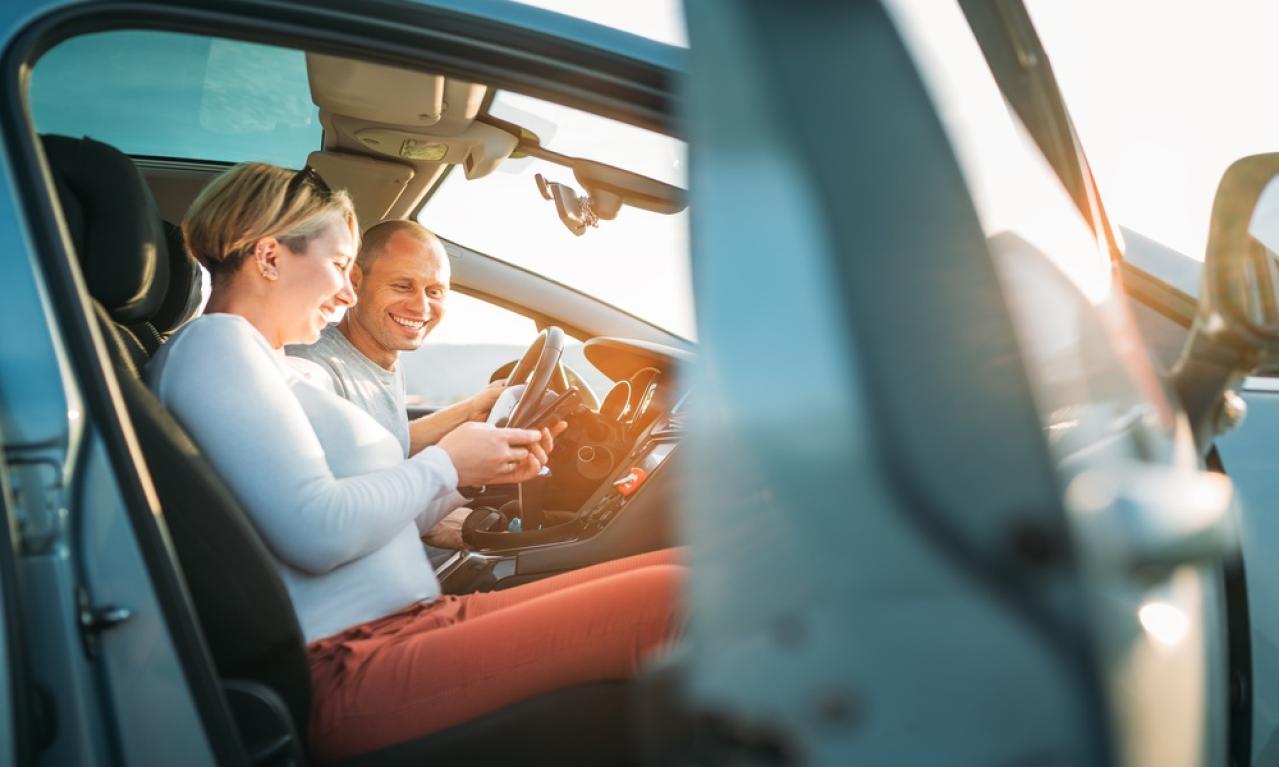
(415, 324)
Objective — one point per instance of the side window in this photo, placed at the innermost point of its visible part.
(474, 339)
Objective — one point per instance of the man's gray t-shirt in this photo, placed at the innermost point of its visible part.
(376, 390)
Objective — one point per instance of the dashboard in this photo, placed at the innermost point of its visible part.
(608, 485)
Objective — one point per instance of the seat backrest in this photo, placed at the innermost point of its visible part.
(182, 297)
(244, 610)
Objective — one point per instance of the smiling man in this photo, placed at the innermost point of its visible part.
(401, 280)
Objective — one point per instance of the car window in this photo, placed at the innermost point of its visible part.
(637, 262)
(180, 96)
(1073, 342)
(1162, 124)
(474, 339)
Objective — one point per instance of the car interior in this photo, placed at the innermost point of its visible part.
(389, 137)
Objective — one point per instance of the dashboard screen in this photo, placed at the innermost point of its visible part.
(656, 456)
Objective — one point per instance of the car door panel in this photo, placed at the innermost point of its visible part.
(1250, 455)
(864, 268)
(1104, 408)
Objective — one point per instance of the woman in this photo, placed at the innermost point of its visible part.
(341, 509)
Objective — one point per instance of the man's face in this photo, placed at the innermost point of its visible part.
(401, 296)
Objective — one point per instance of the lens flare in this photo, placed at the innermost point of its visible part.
(1164, 623)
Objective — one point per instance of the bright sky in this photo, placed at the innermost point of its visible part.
(1165, 95)
(638, 262)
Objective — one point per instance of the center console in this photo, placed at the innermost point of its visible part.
(627, 514)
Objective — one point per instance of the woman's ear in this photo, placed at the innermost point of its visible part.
(266, 257)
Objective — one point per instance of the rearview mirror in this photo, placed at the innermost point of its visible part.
(608, 188)
(1236, 328)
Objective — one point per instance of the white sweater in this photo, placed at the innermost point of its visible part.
(325, 485)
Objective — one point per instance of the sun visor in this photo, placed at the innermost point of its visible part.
(375, 92)
(373, 184)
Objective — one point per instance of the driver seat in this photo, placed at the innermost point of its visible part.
(244, 611)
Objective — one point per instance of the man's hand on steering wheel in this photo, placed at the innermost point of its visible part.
(482, 402)
(537, 370)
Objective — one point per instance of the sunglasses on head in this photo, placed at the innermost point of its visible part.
(307, 175)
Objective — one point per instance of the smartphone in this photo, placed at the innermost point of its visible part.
(556, 410)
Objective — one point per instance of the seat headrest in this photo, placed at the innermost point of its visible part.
(182, 300)
(114, 225)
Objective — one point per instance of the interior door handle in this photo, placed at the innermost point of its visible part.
(1144, 517)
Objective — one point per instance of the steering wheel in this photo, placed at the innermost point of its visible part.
(536, 369)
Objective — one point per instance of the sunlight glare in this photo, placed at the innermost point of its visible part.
(1012, 185)
(1165, 623)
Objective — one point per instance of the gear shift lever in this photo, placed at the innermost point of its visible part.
(532, 497)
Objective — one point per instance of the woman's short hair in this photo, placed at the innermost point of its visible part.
(256, 200)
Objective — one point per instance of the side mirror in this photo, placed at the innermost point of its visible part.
(1241, 278)
(1236, 328)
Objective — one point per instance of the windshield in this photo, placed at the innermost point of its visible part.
(637, 262)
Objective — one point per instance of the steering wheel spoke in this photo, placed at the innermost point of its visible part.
(538, 369)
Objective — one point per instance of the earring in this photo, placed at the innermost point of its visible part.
(268, 273)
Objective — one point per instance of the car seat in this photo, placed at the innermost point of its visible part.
(142, 290)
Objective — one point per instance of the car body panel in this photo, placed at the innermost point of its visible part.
(1103, 405)
(1249, 455)
(829, 494)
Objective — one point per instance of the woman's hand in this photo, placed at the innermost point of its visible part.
(488, 455)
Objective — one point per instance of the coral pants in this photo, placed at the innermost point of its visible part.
(432, 666)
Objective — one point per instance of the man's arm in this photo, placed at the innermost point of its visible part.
(429, 429)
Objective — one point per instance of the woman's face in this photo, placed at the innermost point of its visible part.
(314, 283)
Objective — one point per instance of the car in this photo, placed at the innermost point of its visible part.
(882, 379)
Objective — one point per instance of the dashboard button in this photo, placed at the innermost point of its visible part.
(631, 482)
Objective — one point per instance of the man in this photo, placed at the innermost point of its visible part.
(401, 281)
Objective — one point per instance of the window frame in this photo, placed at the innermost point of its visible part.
(636, 86)
(1023, 71)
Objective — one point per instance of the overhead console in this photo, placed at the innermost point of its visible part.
(405, 115)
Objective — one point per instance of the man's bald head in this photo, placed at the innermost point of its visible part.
(401, 279)
(397, 234)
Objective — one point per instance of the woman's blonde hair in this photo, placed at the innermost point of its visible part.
(256, 200)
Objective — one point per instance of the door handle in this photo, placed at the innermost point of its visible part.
(1143, 517)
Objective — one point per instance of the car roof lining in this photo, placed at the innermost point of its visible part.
(364, 143)
(638, 91)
